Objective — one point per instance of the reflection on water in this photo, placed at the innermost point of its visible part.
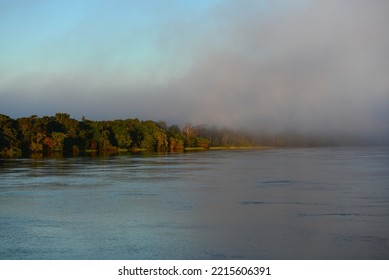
(330, 203)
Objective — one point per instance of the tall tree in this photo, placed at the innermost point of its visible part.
(9, 139)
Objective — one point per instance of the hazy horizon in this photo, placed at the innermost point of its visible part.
(317, 67)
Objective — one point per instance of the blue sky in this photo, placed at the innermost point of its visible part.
(319, 65)
(64, 36)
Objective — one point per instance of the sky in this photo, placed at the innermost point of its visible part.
(317, 66)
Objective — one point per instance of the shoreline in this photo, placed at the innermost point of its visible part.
(93, 152)
(221, 148)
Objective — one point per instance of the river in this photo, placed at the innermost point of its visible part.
(314, 203)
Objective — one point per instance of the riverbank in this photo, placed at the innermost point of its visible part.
(222, 148)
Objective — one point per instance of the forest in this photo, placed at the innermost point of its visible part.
(62, 134)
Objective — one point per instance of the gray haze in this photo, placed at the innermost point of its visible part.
(308, 66)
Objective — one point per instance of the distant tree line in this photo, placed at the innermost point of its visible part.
(63, 134)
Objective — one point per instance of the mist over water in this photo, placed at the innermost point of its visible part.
(304, 66)
(328, 203)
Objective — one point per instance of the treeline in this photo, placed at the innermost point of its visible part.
(61, 133)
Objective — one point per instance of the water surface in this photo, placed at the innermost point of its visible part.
(327, 203)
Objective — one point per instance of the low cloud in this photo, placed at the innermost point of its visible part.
(321, 66)
(311, 66)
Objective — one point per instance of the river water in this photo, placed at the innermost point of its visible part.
(319, 203)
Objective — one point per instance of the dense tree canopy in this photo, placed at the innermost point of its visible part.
(62, 134)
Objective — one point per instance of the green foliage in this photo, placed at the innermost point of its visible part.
(33, 133)
(9, 139)
(102, 136)
(121, 132)
(61, 133)
(175, 139)
(201, 142)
